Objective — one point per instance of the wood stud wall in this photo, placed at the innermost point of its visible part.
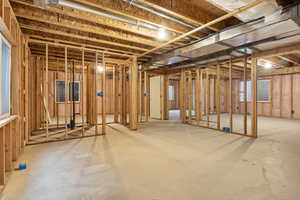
(14, 129)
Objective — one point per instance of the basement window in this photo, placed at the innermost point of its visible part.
(5, 72)
(74, 86)
(171, 92)
(60, 91)
(263, 91)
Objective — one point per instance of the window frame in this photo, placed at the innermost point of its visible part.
(68, 95)
(3, 39)
(173, 92)
(245, 95)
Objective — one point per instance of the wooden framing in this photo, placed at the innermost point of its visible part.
(133, 79)
(198, 95)
(230, 96)
(218, 96)
(245, 97)
(104, 95)
(254, 97)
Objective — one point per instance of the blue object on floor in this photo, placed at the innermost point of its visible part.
(22, 166)
(100, 94)
(226, 129)
(68, 125)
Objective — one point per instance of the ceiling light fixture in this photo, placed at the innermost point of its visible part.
(268, 65)
(100, 68)
(162, 34)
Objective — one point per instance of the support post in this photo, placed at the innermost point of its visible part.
(104, 95)
(218, 96)
(95, 95)
(245, 97)
(190, 94)
(254, 96)
(46, 96)
(230, 95)
(66, 90)
(197, 96)
(182, 97)
(164, 103)
(115, 92)
(133, 94)
(146, 96)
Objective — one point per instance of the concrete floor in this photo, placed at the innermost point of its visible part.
(164, 160)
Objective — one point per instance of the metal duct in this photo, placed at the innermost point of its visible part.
(265, 8)
(276, 29)
(102, 13)
(160, 13)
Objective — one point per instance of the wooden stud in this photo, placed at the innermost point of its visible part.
(292, 96)
(8, 148)
(230, 95)
(81, 92)
(164, 97)
(207, 87)
(197, 95)
(116, 93)
(146, 96)
(190, 94)
(104, 95)
(2, 156)
(245, 97)
(133, 94)
(46, 96)
(182, 97)
(66, 91)
(218, 96)
(254, 96)
(95, 95)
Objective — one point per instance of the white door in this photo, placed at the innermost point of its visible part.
(155, 94)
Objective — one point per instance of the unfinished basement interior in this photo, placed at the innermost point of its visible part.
(149, 99)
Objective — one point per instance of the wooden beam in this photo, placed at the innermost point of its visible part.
(278, 51)
(33, 13)
(78, 36)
